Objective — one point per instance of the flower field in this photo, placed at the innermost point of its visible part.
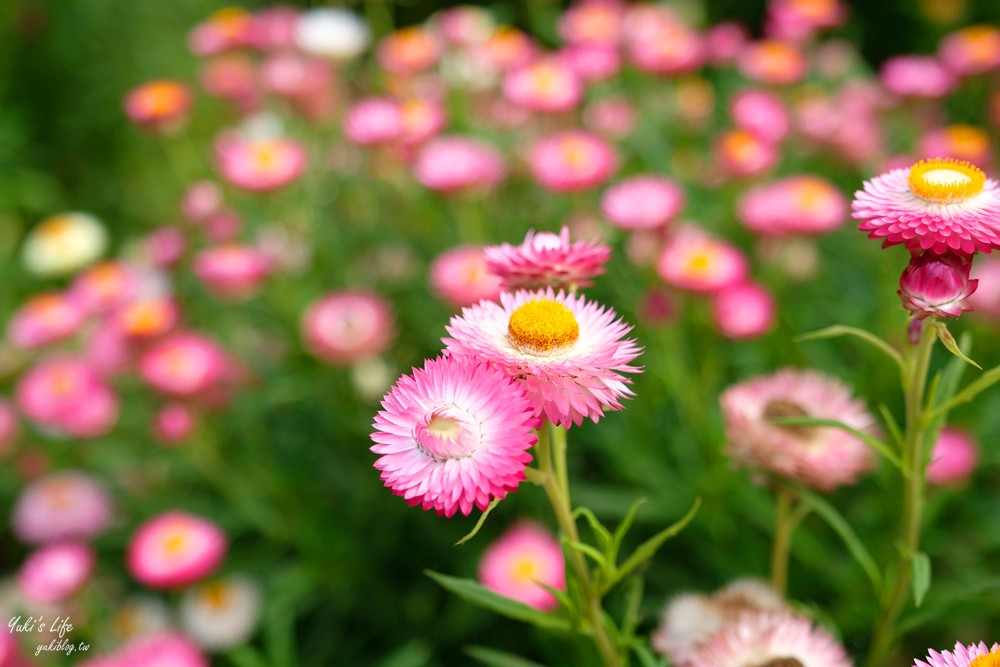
(586, 333)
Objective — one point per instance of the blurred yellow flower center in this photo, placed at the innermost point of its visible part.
(991, 659)
(967, 140)
(215, 594)
(542, 327)
(777, 58)
(174, 543)
(144, 318)
(444, 427)
(162, 98)
(740, 145)
(812, 194)
(266, 154)
(944, 180)
(574, 152)
(524, 571)
(544, 78)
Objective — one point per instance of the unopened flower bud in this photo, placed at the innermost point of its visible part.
(937, 285)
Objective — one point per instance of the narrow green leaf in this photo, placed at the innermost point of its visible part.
(973, 389)
(588, 551)
(413, 654)
(870, 338)
(921, 564)
(479, 524)
(494, 658)
(891, 424)
(600, 532)
(624, 526)
(633, 608)
(246, 656)
(949, 342)
(840, 526)
(868, 439)
(648, 549)
(471, 591)
(646, 657)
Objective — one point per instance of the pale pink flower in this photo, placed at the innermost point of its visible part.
(421, 121)
(696, 261)
(105, 286)
(953, 458)
(762, 638)
(642, 202)
(228, 28)
(591, 62)
(164, 247)
(613, 117)
(454, 435)
(454, 164)
(986, 299)
(167, 648)
(819, 456)
(222, 613)
(657, 41)
(958, 141)
(460, 276)
(961, 656)
(259, 165)
(800, 204)
(175, 549)
(274, 28)
(545, 259)
(465, 25)
(409, 50)
(921, 77)
(547, 85)
(68, 395)
(202, 200)
(232, 271)
(590, 22)
(232, 77)
(223, 226)
(568, 353)
(296, 77)
(742, 153)
(937, 285)
(521, 559)
(509, 48)
(65, 505)
(725, 41)
(745, 310)
(345, 327)
(772, 62)
(972, 50)
(160, 106)
(173, 423)
(761, 113)
(55, 572)
(44, 319)
(938, 205)
(183, 364)
(800, 20)
(374, 121)
(572, 161)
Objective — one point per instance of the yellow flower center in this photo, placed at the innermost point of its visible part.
(175, 544)
(161, 98)
(991, 659)
(740, 145)
(945, 181)
(967, 140)
(266, 154)
(216, 594)
(524, 571)
(813, 194)
(542, 327)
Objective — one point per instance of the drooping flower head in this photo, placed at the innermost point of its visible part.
(175, 549)
(821, 457)
(524, 557)
(568, 353)
(937, 205)
(937, 285)
(454, 435)
(972, 655)
(545, 259)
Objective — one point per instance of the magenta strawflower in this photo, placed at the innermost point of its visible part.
(545, 85)
(55, 572)
(937, 285)
(455, 164)
(936, 205)
(642, 202)
(954, 457)
(962, 656)
(347, 327)
(522, 559)
(545, 259)
(167, 648)
(800, 204)
(567, 353)
(44, 319)
(571, 161)
(454, 435)
(697, 261)
(818, 456)
(460, 277)
(259, 165)
(175, 549)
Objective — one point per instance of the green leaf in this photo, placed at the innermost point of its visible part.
(600, 532)
(646, 657)
(921, 564)
(633, 607)
(868, 439)
(471, 591)
(973, 389)
(840, 526)
(624, 526)
(890, 423)
(479, 524)
(588, 551)
(246, 656)
(493, 658)
(413, 654)
(949, 342)
(838, 330)
(648, 549)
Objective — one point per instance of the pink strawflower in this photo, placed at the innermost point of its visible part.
(772, 62)
(525, 556)
(953, 458)
(642, 202)
(346, 327)
(259, 165)
(590, 22)
(409, 50)
(175, 549)
(725, 41)
(146, 318)
(460, 277)
(105, 286)
(591, 62)
(68, 395)
(44, 319)
(232, 77)
(567, 353)
(55, 572)
(202, 200)
(962, 656)
(961, 142)
(972, 50)
(224, 226)
(228, 28)
(657, 41)
(572, 161)
(164, 247)
(374, 121)
(509, 48)
(938, 205)
(760, 112)
(819, 456)
(545, 259)
(696, 261)
(274, 28)
(986, 299)
(613, 117)
(422, 120)
(800, 20)
(232, 271)
(173, 423)
(454, 164)
(453, 435)
(167, 649)
(920, 77)
(547, 85)
(937, 285)
(801, 204)
(770, 638)
(161, 106)
(745, 310)
(465, 25)
(183, 364)
(743, 153)
(65, 505)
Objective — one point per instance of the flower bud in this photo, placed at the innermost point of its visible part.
(937, 285)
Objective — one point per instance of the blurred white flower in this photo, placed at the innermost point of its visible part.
(63, 243)
(221, 613)
(332, 33)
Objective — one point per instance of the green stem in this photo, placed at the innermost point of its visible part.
(783, 527)
(914, 459)
(551, 451)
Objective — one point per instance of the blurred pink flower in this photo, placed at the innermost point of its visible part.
(164, 247)
(509, 48)
(161, 106)
(591, 62)
(971, 50)
(593, 22)
(465, 25)
(64, 505)
(232, 272)
(613, 117)
(259, 165)
(228, 28)
(105, 286)
(455, 163)
(232, 77)
(454, 435)
(547, 85)
(799, 204)
(745, 310)
(44, 319)
(742, 153)
(273, 28)
(408, 50)
(66, 394)
(167, 648)
(696, 261)
(146, 318)
(55, 572)
(762, 638)
(572, 161)
(760, 112)
(345, 327)
(202, 200)
(373, 121)
(525, 556)
(460, 276)
(642, 202)
(545, 259)
(657, 41)
(773, 62)
(725, 41)
(183, 364)
(421, 121)
(921, 77)
(173, 423)
(937, 285)
(961, 656)
(960, 141)
(175, 549)
(986, 299)
(800, 20)
(954, 457)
